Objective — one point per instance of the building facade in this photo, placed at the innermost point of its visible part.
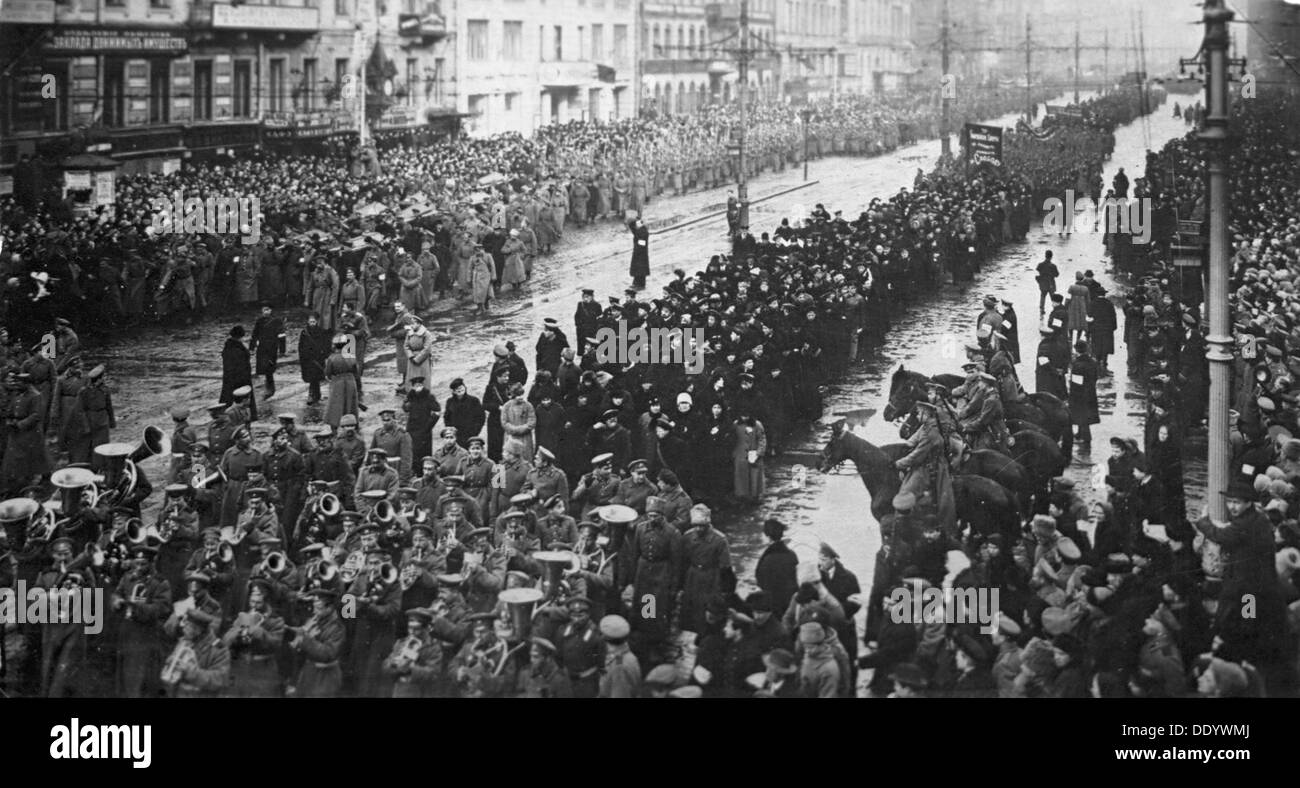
(152, 81)
(690, 52)
(521, 64)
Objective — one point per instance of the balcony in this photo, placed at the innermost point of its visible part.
(279, 18)
(429, 27)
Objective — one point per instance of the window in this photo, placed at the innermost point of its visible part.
(117, 3)
(160, 4)
(55, 111)
(559, 42)
(512, 103)
(582, 43)
(341, 7)
(439, 66)
(160, 96)
(598, 43)
(477, 47)
(620, 43)
(513, 41)
(203, 87)
(243, 89)
(274, 84)
(340, 75)
(309, 83)
(412, 77)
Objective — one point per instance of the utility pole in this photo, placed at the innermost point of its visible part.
(742, 178)
(1029, 90)
(1105, 68)
(1214, 133)
(945, 121)
(1076, 64)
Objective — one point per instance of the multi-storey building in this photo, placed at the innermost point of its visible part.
(150, 82)
(526, 63)
(878, 42)
(690, 50)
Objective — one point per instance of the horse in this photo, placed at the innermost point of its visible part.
(874, 466)
(1039, 455)
(986, 506)
(906, 388)
(988, 463)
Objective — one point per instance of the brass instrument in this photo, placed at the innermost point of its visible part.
(78, 487)
(409, 574)
(381, 581)
(383, 513)
(137, 596)
(42, 526)
(410, 651)
(521, 603)
(325, 571)
(246, 621)
(329, 505)
(556, 561)
(275, 564)
(182, 657)
(138, 533)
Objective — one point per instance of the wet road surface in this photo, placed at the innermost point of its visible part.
(153, 369)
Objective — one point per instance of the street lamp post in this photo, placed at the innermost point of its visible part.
(806, 115)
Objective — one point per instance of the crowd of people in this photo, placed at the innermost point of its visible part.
(559, 537)
(1135, 596)
(468, 202)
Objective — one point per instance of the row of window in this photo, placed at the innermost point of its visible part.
(588, 44)
(279, 90)
(341, 7)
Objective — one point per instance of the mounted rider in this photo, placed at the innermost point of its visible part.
(926, 464)
(980, 419)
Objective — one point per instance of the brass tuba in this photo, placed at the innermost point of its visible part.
(383, 513)
(275, 563)
(556, 562)
(329, 505)
(521, 603)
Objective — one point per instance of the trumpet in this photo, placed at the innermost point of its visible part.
(181, 659)
(409, 574)
(137, 596)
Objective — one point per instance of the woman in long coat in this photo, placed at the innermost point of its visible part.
(747, 458)
(341, 372)
(513, 272)
(482, 275)
(518, 420)
(236, 365)
(462, 271)
(719, 438)
(1083, 393)
(640, 267)
(1077, 316)
(313, 351)
(1101, 332)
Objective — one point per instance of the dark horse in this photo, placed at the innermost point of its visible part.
(987, 463)
(985, 505)
(1046, 410)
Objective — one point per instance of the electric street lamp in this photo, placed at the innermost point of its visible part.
(806, 115)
